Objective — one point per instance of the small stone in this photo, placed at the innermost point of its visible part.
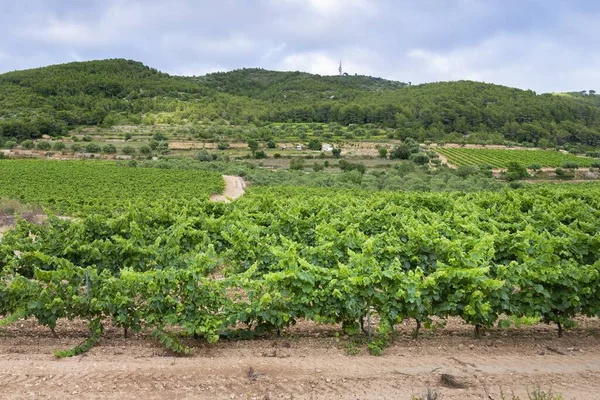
(319, 371)
(471, 346)
(328, 380)
(461, 346)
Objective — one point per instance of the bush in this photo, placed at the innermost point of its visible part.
(348, 166)
(204, 156)
(128, 136)
(297, 164)
(516, 171)
(75, 147)
(536, 167)
(159, 137)
(27, 144)
(383, 152)
(326, 163)
(10, 144)
(92, 148)
(271, 144)
(595, 164)
(128, 150)
(570, 165)
(419, 158)
(337, 153)
(315, 144)
(146, 150)
(222, 146)
(43, 145)
(260, 155)
(87, 138)
(109, 149)
(58, 146)
(318, 167)
(400, 152)
(560, 172)
(466, 170)
(276, 155)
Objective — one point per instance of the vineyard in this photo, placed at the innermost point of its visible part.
(501, 158)
(77, 187)
(176, 266)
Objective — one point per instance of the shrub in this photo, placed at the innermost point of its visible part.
(204, 156)
(515, 171)
(348, 166)
(271, 144)
(10, 144)
(260, 155)
(87, 138)
(128, 150)
(337, 153)
(109, 149)
(419, 158)
(595, 164)
(43, 145)
(383, 152)
(128, 136)
(276, 155)
(465, 170)
(318, 167)
(146, 150)
(570, 165)
(297, 164)
(535, 166)
(75, 147)
(92, 148)
(27, 144)
(58, 146)
(222, 146)
(315, 144)
(560, 172)
(159, 137)
(400, 152)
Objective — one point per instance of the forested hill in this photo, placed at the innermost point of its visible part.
(53, 99)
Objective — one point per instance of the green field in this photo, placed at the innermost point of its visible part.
(168, 263)
(81, 186)
(500, 158)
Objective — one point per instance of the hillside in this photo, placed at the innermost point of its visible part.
(54, 99)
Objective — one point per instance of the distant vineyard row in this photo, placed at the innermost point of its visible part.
(501, 158)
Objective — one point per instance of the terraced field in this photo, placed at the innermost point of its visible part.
(500, 158)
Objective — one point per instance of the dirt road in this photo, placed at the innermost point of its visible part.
(306, 362)
(234, 188)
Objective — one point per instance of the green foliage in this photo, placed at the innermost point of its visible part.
(315, 144)
(501, 158)
(92, 148)
(297, 164)
(128, 150)
(44, 145)
(516, 171)
(570, 165)
(383, 151)
(109, 149)
(336, 152)
(146, 150)
(204, 156)
(400, 152)
(58, 146)
(27, 144)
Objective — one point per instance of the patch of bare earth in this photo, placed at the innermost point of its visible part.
(234, 188)
(307, 362)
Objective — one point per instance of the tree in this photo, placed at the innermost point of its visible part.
(419, 158)
(109, 149)
(27, 144)
(252, 145)
(315, 144)
(297, 164)
(271, 144)
(128, 150)
(383, 152)
(146, 150)
(92, 148)
(337, 152)
(43, 145)
(516, 171)
(59, 146)
(203, 156)
(400, 152)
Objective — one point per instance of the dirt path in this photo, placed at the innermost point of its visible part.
(444, 160)
(306, 362)
(234, 188)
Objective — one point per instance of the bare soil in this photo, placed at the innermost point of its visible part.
(234, 188)
(307, 361)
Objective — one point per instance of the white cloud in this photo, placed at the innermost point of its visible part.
(359, 61)
(331, 8)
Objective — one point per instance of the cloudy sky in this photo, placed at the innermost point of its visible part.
(544, 45)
